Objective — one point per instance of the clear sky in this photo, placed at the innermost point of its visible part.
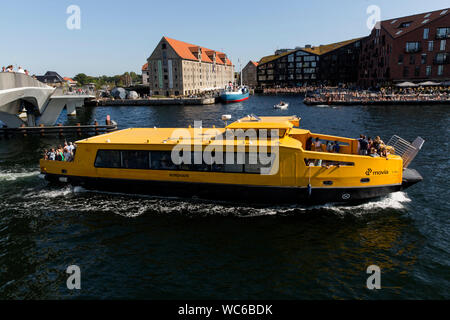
(118, 36)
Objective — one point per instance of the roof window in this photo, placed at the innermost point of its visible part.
(405, 24)
(444, 12)
(425, 21)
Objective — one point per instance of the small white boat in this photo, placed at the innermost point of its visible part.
(281, 106)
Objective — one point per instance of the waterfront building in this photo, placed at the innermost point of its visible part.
(249, 74)
(51, 78)
(145, 74)
(70, 82)
(289, 69)
(326, 64)
(413, 48)
(339, 62)
(180, 68)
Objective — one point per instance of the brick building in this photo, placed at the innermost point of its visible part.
(249, 74)
(180, 68)
(414, 48)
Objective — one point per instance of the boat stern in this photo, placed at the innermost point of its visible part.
(410, 178)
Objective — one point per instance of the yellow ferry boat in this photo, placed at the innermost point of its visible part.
(264, 161)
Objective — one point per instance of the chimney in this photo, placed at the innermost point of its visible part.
(308, 46)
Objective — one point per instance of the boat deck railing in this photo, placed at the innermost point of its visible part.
(408, 151)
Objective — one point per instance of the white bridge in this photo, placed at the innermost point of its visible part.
(43, 104)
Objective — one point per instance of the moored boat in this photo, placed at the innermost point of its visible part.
(255, 159)
(231, 95)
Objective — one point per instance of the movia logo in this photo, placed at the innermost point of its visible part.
(370, 172)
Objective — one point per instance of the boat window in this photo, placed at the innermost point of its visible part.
(328, 183)
(327, 163)
(108, 159)
(237, 166)
(365, 180)
(135, 160)
(162, 160)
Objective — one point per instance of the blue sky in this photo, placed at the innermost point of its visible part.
(118, 36)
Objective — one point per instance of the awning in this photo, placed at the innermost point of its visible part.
(429, 83)
(407, 85)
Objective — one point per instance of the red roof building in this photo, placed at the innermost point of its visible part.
(413, 48)
(180, 68)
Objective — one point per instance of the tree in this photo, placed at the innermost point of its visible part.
(82, 79)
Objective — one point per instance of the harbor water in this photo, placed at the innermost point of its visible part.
(141, 247)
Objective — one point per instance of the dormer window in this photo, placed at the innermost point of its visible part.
(405, 25)
(164, 46)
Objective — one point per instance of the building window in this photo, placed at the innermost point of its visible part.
(429, 70)
(405, 25)
(405, 71)
(417, 71)
(400, 59)
(442, 58)
(412, 47)
(412, 59)
(424, 59)
(430, 46)
(440, 70)
(443, 45)
(426, 33)
(442, 33)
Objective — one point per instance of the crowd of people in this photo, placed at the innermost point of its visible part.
(294, 90)
(366, 146)
(435, 94)
(373, 147)
(66, 153)
(10, 68)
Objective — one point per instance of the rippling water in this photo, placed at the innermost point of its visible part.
(158, 248)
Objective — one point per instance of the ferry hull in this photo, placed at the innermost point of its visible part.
(233, 193)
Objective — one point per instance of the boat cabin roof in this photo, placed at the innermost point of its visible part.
(254, 122)
(204, 136)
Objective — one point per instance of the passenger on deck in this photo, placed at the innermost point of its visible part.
(3, 69)
(309, 143)
(336, 147)
(329, 147)
(363, 145)
(20, 70)
(373, 153)
(52, 155)
(45, 154)
(67, 155)
(59, 154)
(318, 145)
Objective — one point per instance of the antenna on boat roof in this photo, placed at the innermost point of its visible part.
(255, 117)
